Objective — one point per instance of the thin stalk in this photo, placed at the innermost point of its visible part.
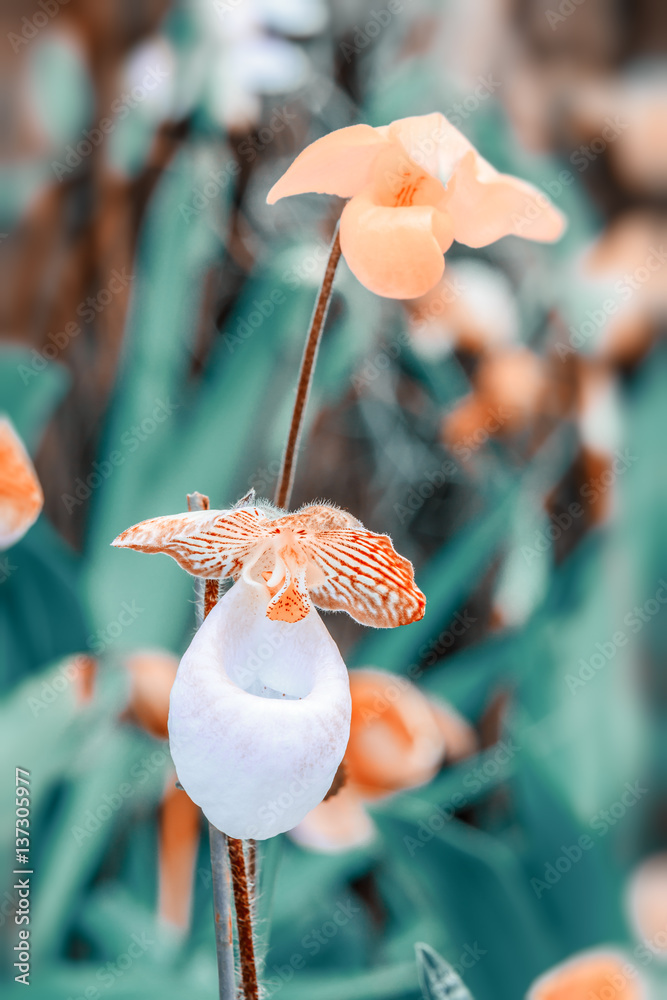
(206, 596)
(253, 874)
(243, 918)
(222, 899)
(286, 478)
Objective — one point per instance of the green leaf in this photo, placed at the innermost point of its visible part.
(436, 977)
(30, 390)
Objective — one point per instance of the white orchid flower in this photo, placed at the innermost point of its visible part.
(260, 710)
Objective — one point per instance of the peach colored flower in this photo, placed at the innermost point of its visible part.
(414, 186)
(260, 710)
(513, 390)
(590, 974)
(398, 740)
(21, 497)
(179, 834)
(152, 674)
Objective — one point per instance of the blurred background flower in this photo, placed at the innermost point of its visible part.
(506, 430)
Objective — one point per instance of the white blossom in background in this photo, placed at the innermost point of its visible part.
(249, 55)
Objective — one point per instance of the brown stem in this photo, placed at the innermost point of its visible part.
(211, 591)
(252, 869)
(286, 477)
(243, 918)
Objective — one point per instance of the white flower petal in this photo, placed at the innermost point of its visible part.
(259, 716)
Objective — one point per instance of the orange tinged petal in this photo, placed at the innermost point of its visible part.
(395, 252)
(318, 552)
(180, 821)
(338, 824)
(399, 182)
(365, 577)
(396, 740)
(431, 141)
(320, 517)
(461, 424)
(340, 163)
(152, 674)
(21, 497)
(485, 205)
(292, 602)
(591, 974)
(515, 383)
(459, 736)
(209, 543)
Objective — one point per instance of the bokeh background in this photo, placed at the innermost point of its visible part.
(507, 432)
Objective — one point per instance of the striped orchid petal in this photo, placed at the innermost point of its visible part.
(366, 577)
(317, 555)
(209, 543)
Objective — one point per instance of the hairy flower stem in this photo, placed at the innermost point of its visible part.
(243, 919)
(207, 595)
(286, 477)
